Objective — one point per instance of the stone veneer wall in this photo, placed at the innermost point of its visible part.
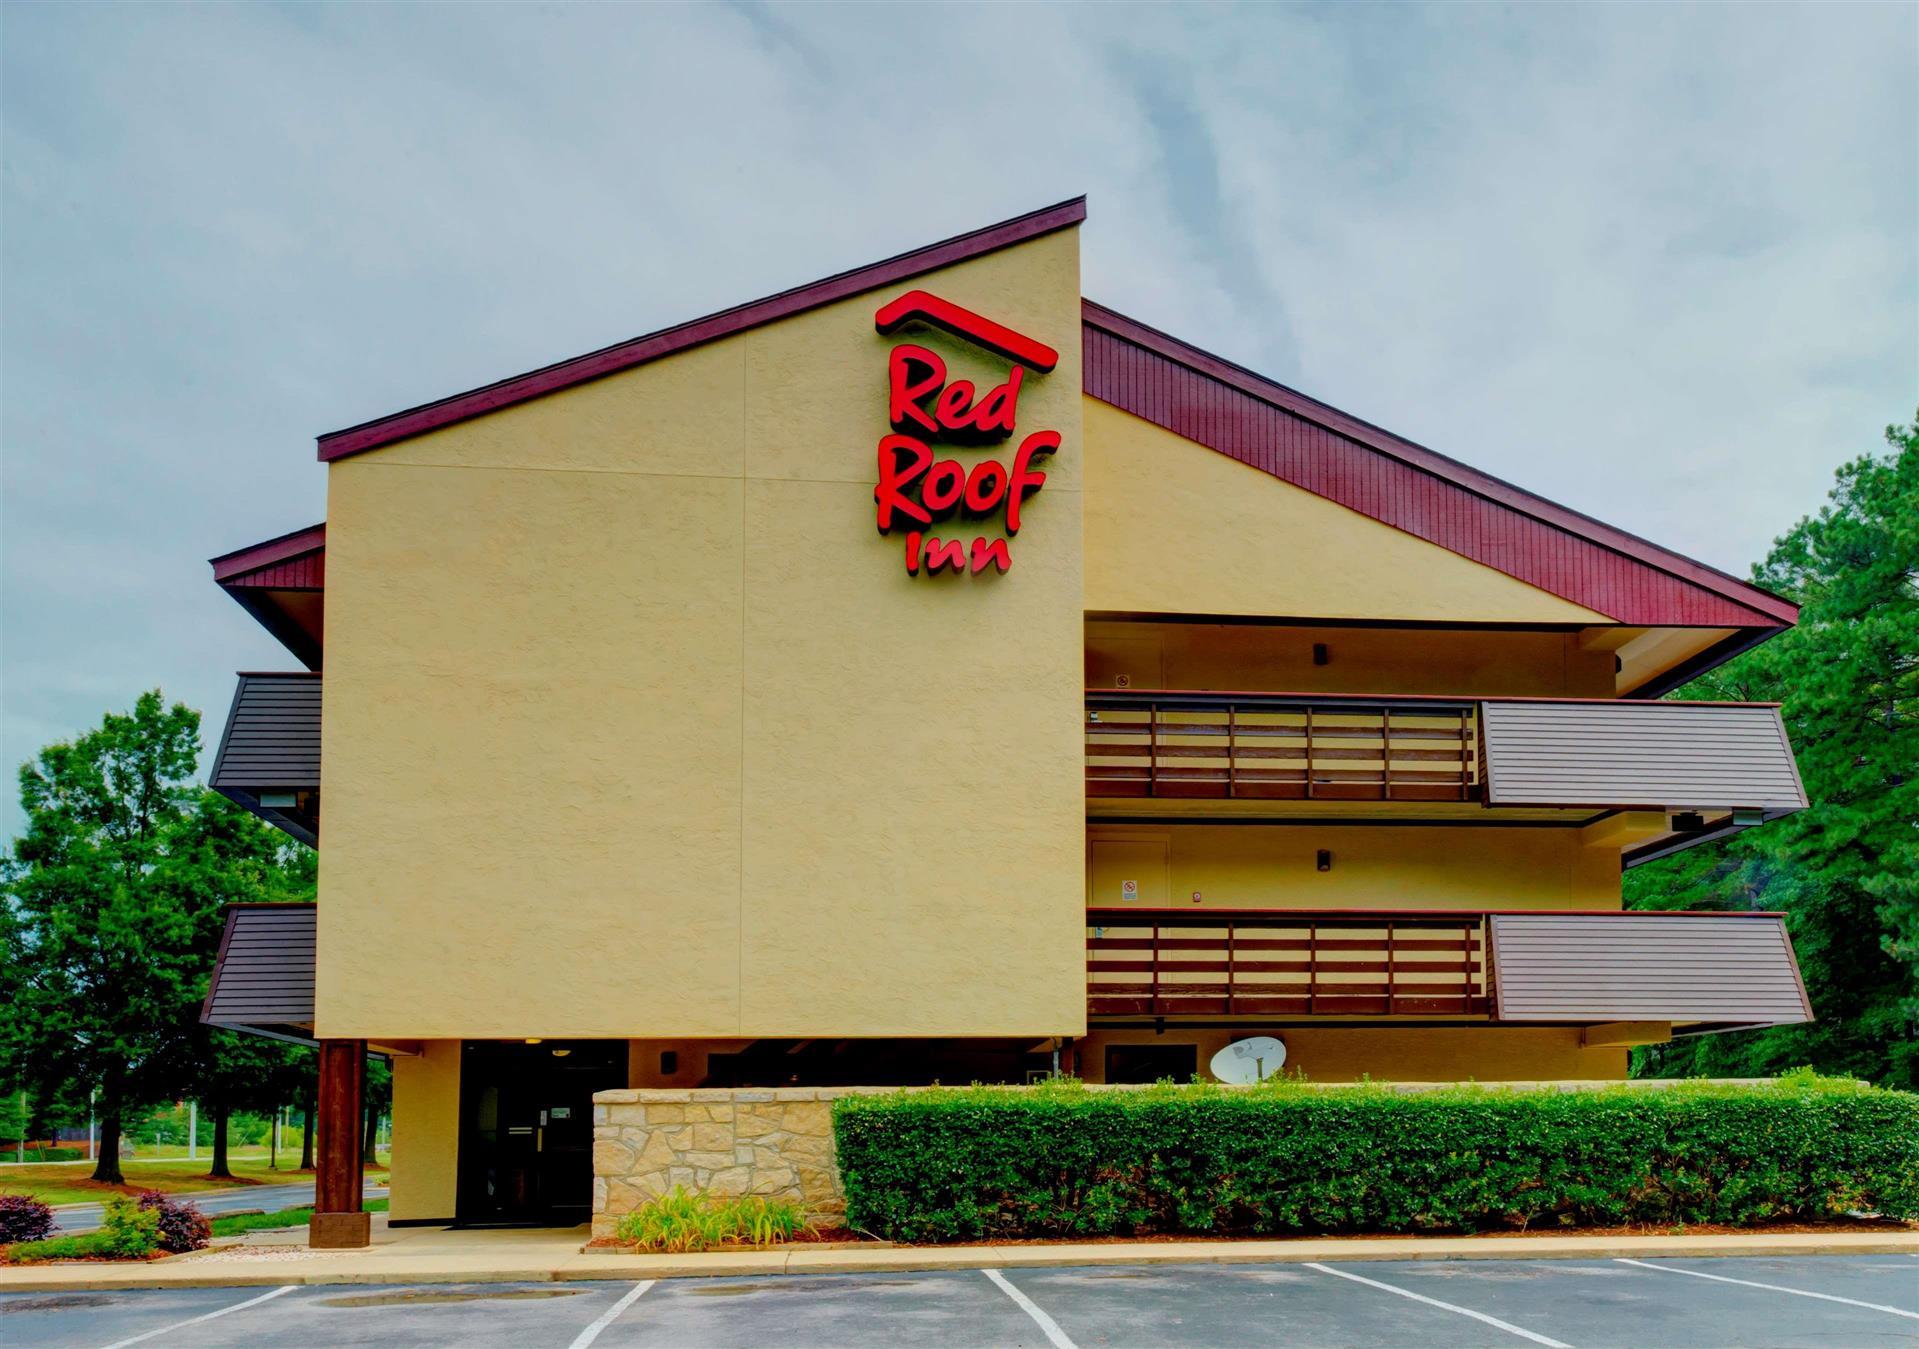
(774, 1141)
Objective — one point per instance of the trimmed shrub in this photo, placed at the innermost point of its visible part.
(24, 1218)
(1060, 1160)
(86, 1246)
(182, 1226)
(128, 1231)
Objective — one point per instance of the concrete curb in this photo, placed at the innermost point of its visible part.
(479, 1267)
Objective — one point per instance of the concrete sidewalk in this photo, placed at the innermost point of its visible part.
(417, 1255)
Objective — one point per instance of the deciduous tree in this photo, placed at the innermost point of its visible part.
(110, 913)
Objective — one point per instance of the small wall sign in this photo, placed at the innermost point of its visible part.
(1129, 891)
(917, 489)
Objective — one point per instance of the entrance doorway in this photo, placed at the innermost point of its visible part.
(526, 1129)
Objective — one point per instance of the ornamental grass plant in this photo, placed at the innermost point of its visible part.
(1064, 1160)
(680, 1221)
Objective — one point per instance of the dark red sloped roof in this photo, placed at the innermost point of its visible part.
(638, 350)
(295, 561)
(1203, 398)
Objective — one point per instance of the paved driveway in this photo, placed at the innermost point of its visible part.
(1819, 1301)
(86, 1217)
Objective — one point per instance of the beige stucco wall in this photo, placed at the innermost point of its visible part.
(635, 726)
(1279, 658)
(426, 1132)
(1373, 866)
(1175, 527)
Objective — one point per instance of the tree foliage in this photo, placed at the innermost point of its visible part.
(1846, 871)
(110, 912)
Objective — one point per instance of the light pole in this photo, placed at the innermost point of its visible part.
(193, 1131)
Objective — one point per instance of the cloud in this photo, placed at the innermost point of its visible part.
(1656, 262)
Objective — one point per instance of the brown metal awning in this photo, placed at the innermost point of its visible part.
(1706, 971)
(269, 759)
(1676, 756)
(263, 978)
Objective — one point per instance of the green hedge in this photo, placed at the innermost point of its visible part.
(1062, 1160)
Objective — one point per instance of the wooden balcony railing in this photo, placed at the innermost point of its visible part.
(1278, 747)
(1284, 962)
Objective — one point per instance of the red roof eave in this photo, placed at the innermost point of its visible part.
(1769, 610)
(271, 552)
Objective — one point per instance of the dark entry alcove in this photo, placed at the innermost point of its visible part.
(526, 1128)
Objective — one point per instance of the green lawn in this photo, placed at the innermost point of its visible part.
(286, 1217)
(152, 1152)
(58, 1184)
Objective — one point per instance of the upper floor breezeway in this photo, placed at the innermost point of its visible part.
(1646, 777)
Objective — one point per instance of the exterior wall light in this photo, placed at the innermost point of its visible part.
(532, 1039)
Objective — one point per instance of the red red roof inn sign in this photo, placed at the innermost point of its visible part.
(917, 489)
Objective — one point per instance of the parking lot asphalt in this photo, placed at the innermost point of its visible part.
(1821, 1301)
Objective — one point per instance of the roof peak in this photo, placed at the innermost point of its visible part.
(651, 346)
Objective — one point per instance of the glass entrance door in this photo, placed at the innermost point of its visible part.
(526, 1128)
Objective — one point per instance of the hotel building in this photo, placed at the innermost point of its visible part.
(929, 673)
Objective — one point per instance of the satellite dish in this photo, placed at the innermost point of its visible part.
(1250, 1060)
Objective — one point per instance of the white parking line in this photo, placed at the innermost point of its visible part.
(610, 1315)
(1047, 1324)
(1773, 1288)
(1506, 1326)
(207, 1316)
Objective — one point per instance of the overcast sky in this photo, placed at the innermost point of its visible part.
(1655, 262)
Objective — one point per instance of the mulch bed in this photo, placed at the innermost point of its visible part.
(840, 1236)
(812, 1236)
(1630, 1230)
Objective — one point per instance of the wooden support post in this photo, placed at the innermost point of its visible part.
(339, 1188)
(1312, 968)
(1153, 1006)
(1309, 754)
(1232, 750)
(1386, 758)
(1231, 973)
(1392, 969)
(1152, 750)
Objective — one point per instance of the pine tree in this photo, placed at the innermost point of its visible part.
(1846, 871)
